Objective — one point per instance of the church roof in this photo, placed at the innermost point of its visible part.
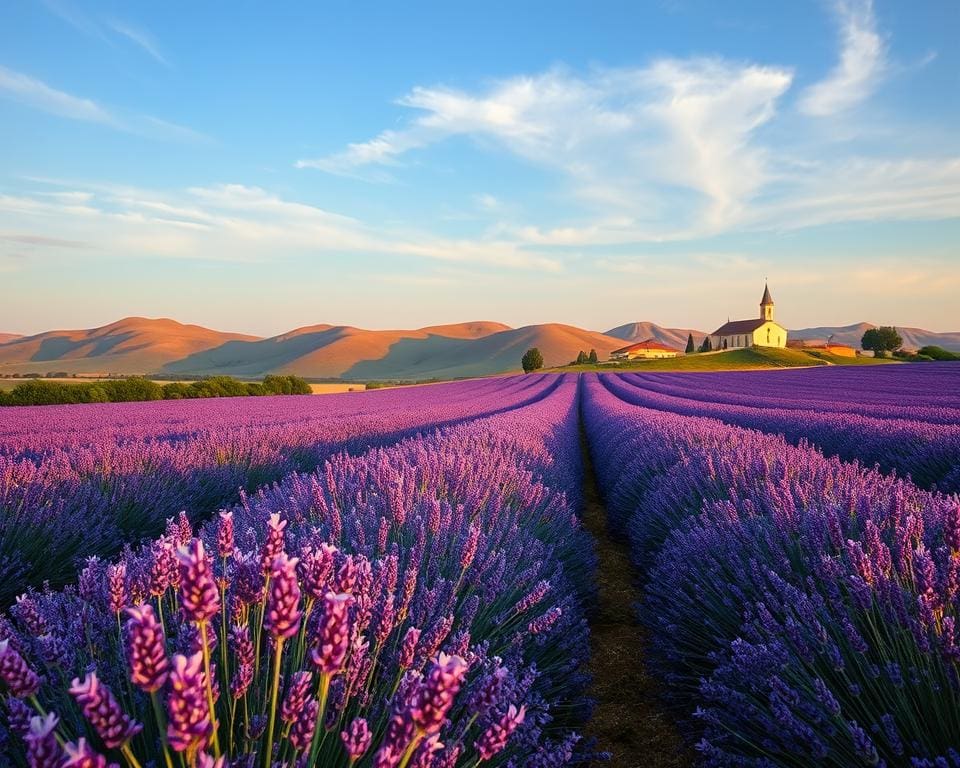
(767, 298)
(648, 344)
(739, 326)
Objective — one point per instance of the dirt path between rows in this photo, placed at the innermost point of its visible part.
(628, 721)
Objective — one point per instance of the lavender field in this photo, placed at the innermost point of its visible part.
(405, 577)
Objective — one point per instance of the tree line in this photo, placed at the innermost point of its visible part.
(138, 389)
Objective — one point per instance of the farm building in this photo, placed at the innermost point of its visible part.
(819, 345)
(759, 332)
(651, 349)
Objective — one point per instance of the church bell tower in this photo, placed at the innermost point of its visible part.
(766, 304)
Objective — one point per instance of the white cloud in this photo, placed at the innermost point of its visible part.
(862, 63)
(618, 135)
(864, 189)
(237, 223)
(37, 94)
(101, 29)
(139, 37)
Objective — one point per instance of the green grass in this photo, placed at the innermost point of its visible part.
(755, 358)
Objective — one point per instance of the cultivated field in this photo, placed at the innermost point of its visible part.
(448, 575)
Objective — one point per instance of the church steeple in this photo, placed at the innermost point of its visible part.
(766, 304)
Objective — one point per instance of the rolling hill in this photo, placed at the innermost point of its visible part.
(137, 345)
(131, 345)
(913, 338)
(5, 337)
(465, 349)
(641, 331)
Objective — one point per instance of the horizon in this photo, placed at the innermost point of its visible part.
(452, 323)
(597, 166)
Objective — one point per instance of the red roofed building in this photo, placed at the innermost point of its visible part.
(651, 349)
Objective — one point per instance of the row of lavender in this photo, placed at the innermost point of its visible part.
(915, 392)
(927, 451)
(803, 610)
(416, 605)
(82, 480)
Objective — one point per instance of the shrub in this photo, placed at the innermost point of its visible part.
(934, 352)
(532, 360)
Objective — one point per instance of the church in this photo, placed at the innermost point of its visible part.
(760, 332)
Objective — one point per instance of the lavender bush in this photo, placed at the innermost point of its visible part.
(802, 608)
(416, 605)
(908, 440)
(82, 480)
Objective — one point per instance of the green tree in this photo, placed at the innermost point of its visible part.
(532, 360)
(937, 353)
(691, 347)
(593, 357)
(582, 358)
(882, 340)
(707, 345)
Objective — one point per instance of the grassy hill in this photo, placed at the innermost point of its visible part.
(733, 360)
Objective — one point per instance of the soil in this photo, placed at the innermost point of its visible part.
(629, 721)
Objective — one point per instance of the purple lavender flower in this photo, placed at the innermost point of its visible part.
(242, 647)
(408, 648)
(304, 724)
(184, 529)
(116, 586)
(205, 760)
(951, 530)
(433, 699)
(43, 751)
(282, 617)
(543, 623)
(247, 579)
(298, 690)
(273, 545)
(19, 716)
(470, 547)
(199, 597)
(356, 738)
(103, 712)
(315, 567)
(188, 718)
(225, 533)
(494, 739)
(15, 673)
(146, 649)
(332, 638)
(82, 755)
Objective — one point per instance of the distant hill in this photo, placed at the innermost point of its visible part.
(5, 337)
(162, 346)
(465, 349)
(913, 338)
(131, 345)
(674, 337)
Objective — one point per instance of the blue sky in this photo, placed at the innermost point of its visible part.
(257, 167)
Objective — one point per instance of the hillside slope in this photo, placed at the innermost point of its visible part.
(5, 337)
(131, 345)
(465, 349)
(913, 338)
(641, 331)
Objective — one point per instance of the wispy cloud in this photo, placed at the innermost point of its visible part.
(614, 133)
(106, 29)
(37, 94)
(239, 223)
(861, 66)
(140, 38)
(43, 241)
